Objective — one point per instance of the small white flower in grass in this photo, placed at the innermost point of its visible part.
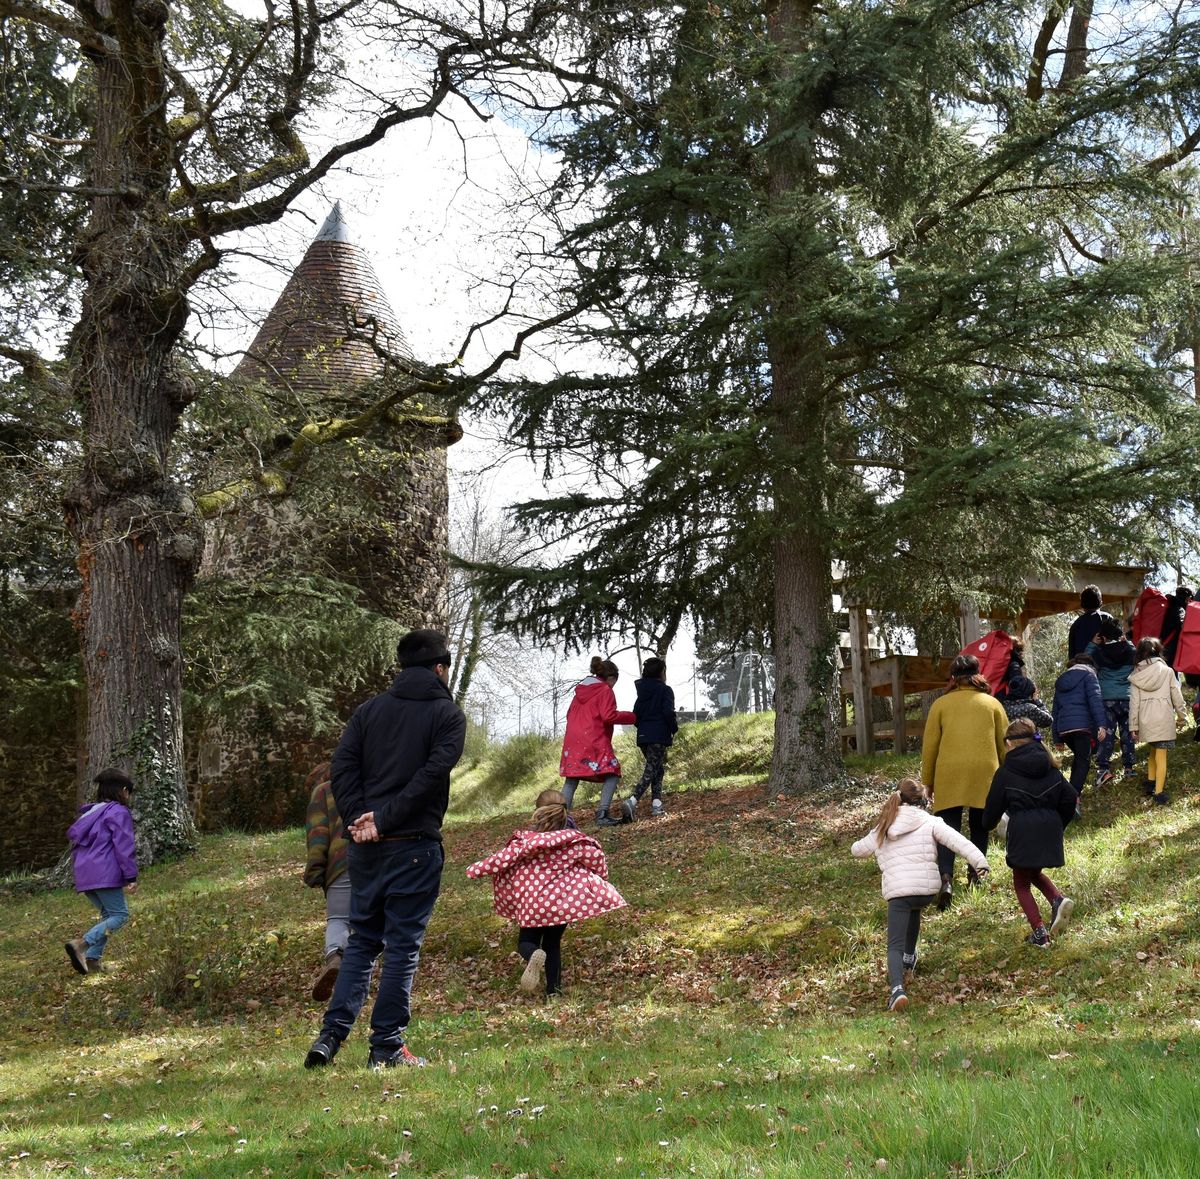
(242, 1141)
(407, 1133)
(327, 1109)
(107, 1117)
(663, 1142)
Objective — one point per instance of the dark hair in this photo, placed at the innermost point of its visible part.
(1090, 597)
(550, 811)
(909, 791)
(423, 648)
(1082, 661)
(1110, 631)
(111, 784)
(1149, 649)
(1183, 594)
(603, 668)
(653, 668)
(1021, 687)
(964, 671)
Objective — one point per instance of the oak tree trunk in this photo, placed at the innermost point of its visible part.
(137, 536)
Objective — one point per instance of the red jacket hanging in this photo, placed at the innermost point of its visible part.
(587, 744)
(549, 878)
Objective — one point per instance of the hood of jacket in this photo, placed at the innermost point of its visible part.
(1030, 761)
(525, 846)
(91, 817)
(1151, 675)
(1072, 679)
(1110, 656)
(908, 818)
(589, 687)
(419, 683)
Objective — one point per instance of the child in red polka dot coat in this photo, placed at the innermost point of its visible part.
(548, 876)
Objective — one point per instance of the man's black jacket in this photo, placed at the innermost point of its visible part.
(396, 755)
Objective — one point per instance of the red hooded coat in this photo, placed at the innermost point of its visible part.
(549, 878)
(587, 744)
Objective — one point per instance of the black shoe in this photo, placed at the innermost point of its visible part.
(324, 1049)
(910, 965)
(898, 1000)
(1161, 798)
(945, 893)
(604, 820)
(1040, 938)
(1148, 787)
(1061, 909)
(394, 1058)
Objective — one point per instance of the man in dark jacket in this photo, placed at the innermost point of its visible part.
(1087, 626)
(1172, 625)
(391, 782)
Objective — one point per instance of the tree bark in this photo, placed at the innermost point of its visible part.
(137, 534)
(807, 754)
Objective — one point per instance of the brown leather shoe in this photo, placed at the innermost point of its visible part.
(945, 893)
(326, 978)
(77, 952)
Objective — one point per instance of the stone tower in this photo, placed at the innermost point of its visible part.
(328, 334)
(323, 348)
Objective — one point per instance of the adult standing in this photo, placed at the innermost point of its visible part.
(587, 752)
(391, 782)
(962, 749)
(1087, 626)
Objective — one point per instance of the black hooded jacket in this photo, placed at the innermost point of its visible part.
(396, 755)
(1039, 802)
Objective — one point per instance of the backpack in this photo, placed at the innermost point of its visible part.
(1148, 614)
(992, 651)
(1187, 654)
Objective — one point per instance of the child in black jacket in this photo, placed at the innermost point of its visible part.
(656, 728)
(1040, 803)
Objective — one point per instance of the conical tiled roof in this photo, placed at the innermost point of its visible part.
(332, 293)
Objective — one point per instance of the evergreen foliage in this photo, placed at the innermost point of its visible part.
(874, 283)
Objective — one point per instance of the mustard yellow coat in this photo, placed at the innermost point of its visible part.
(963, 747)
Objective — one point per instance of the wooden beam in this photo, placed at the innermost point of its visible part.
(900, 744)
(860, 671)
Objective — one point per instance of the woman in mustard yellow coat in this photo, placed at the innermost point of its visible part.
(962, 749)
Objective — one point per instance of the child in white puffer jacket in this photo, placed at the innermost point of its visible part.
(904, 842)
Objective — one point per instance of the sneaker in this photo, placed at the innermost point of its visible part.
(394, 1058)
(1104, 778)
(944, 894)
(656, 809)
(1148, 787)
(534, 977)
(898, 1001)
(1040, 938)
(324, 1049)
(629, 810)
(1161, 798)
(1061, 909)
(910, 964)
(326, 978)
(77, 952)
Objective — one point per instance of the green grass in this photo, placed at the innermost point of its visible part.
(729, 1023)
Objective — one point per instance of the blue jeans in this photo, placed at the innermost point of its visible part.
(1117, 712)
(393, 887)
(114, 912)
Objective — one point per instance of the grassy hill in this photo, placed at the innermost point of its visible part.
(729, 1023)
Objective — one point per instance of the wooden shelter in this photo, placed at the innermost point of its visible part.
(898, 675)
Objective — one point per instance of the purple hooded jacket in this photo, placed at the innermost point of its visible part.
(102, 847)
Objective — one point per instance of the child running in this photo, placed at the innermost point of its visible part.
(105, 865)
(1153, 695)
(1039, 802)
(1079, 719)
(1115, 657)
(656, 729)
(549, 875)
(904, 842)
(587, 751)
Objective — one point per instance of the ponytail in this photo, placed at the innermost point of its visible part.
(550, 811)
(909, 792)
(603, 668)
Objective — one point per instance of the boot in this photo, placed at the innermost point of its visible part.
(77, 951)
(323, 984)
(945, 892)
(604, 820)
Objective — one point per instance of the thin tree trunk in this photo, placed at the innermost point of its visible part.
(137, 536)
(807, 753)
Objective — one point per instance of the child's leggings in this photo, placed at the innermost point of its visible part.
(652, 776)
(1156, 769)
(607, 791)
(1023, 878)
(548, 938)
(904, 924)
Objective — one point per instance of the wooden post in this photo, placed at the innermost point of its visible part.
(860, 670)
(899, 727)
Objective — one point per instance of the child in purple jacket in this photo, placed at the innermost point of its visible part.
(105, 864)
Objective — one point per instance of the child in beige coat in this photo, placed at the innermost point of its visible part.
(905, 843)
(1154, 702)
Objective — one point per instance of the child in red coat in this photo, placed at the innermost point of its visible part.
(548, 876)
(587, 751)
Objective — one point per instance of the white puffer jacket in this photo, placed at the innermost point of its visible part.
(1154, 696)
(908, 857)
